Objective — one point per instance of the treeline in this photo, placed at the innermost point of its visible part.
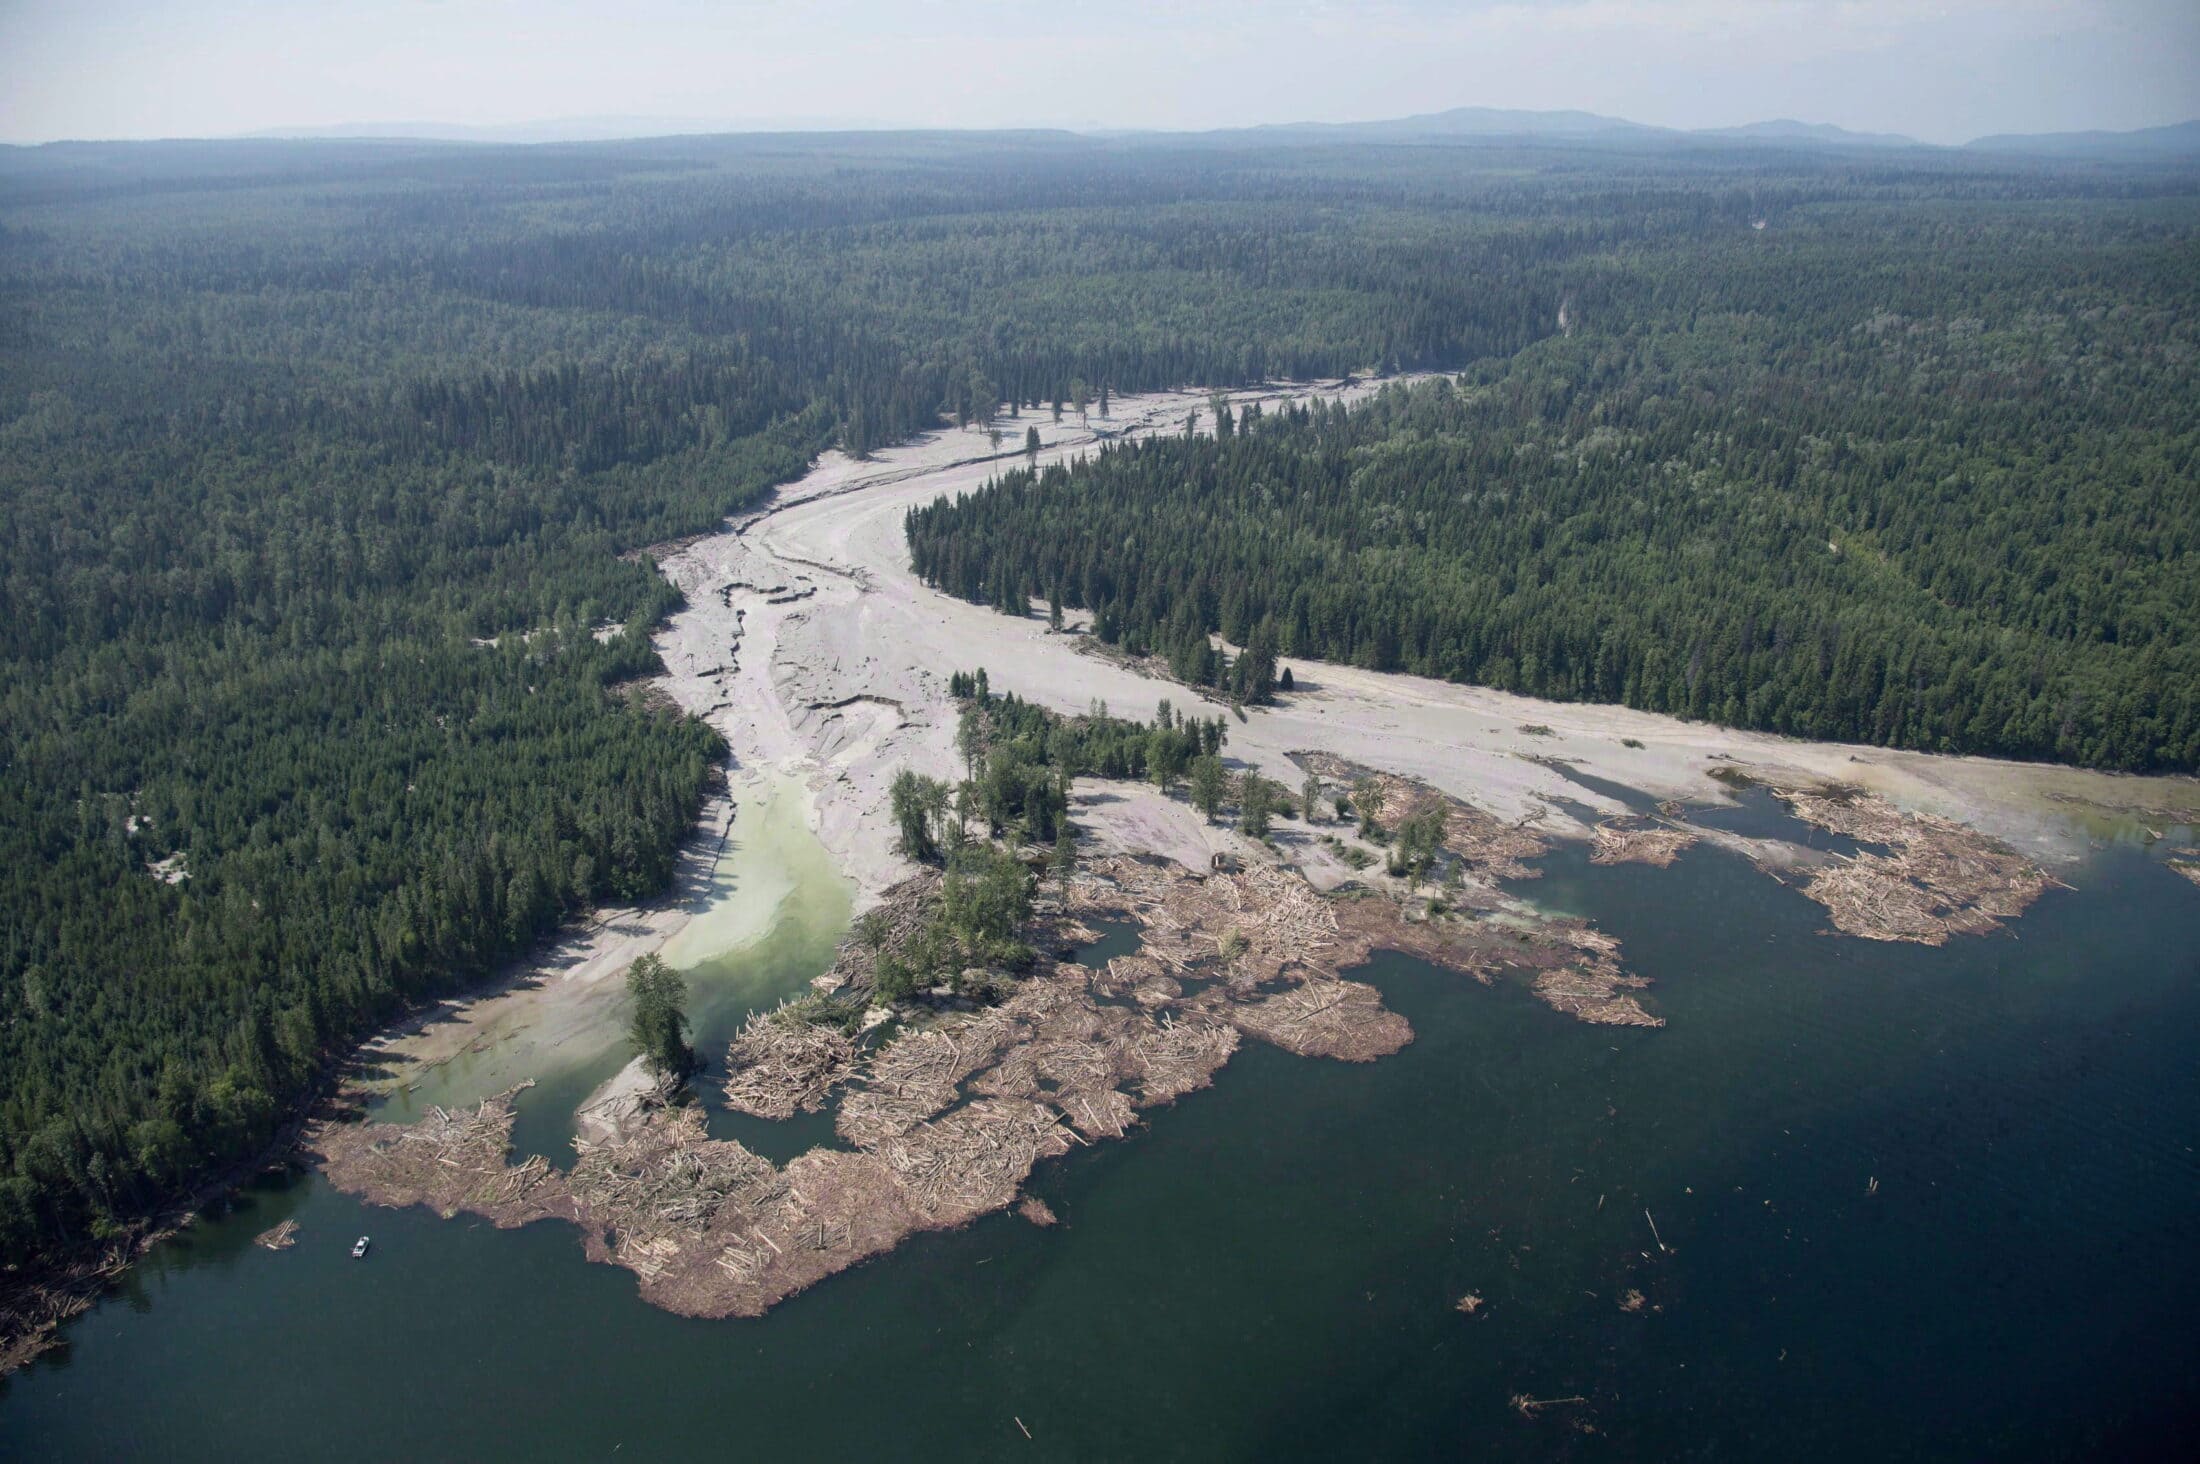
(1968, 529)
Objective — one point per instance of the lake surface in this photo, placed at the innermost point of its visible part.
(1270, 1270)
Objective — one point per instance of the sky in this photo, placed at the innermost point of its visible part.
(1942, 72)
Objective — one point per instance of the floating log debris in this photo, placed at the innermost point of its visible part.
(282, 1237)
(1528, 1407)
(950, 1104)
(1340, 1019)
(1037, 1211)
(450, 1161)
(1640, 841)
(1576, 967)
(1935, 879)
(784, 1062)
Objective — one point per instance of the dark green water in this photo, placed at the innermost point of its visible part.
(1269, 1271)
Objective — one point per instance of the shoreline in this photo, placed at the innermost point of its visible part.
(811, 647)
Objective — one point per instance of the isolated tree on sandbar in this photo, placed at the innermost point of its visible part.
(1420, 840)
(1256, 801)
(1208, 781)
(1310, 797)
(656, 1019)
(1367, 797)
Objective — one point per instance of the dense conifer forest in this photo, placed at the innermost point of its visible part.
(323, 469)
(1926, 477)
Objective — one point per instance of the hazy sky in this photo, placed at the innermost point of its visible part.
(1941, 71)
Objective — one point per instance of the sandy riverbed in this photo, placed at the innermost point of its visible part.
(814, 650)
(857, 674)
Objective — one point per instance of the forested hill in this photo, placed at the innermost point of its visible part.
(318, 463)
(1927, 477)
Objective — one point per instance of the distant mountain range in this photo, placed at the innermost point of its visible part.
(1458, 124)
(1506, 122)
(2182, 140)
(1787, 129)
(2178, 141)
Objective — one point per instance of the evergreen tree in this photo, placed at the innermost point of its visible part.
(656, 1022)
(1207, 782)
(1256, 805)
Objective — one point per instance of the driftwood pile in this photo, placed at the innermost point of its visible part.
(452, 1160)
(1178, 1057)
(1640, 841)
(950, 1111)
(669, 1174)
(917, 1076)
(973, 1160)
(1245, 927)
(1573, 966)
(1934, 879)
(782, 1063)
(1329, 1018)
(1590, 984)
(282, 1237)
(1488, 847)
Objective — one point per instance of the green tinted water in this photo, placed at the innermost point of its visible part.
(768, 921)
(1269, 1270)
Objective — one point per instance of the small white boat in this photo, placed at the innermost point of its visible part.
(359, 1247)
